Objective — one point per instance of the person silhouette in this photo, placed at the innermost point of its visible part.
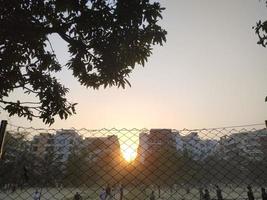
(108, 192)
(102, 195)
(219, 193)
(263, 194)
(206, 194)
(121, 191)
(187, 190)
(37, 195)
(25, 174)
(152, 196)
(77, 196)
(201, 194)
(250, 193)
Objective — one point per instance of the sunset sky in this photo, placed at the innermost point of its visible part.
(210, 73)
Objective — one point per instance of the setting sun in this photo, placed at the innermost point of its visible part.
(128, 152)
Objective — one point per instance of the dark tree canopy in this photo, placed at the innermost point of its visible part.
(106, 39)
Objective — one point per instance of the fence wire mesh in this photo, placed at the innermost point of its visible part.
(204, 164)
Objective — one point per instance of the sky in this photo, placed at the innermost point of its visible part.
(210, 73)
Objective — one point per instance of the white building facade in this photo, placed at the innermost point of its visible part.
(246, 144)
(65, 141)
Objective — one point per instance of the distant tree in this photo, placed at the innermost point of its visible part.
(16, 158)
(161, 166)
(78, 169)
(105, 38)
(47, 169)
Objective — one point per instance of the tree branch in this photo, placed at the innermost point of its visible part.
(30, 90)
(12, 103)
(29, 102)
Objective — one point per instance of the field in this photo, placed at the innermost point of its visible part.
(132, 193)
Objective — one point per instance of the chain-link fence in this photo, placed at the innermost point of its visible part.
(204, 164)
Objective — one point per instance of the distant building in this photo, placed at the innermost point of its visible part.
(198, 148)
(251, 145)
(193, 145)
(99, 146)
(155, 140)
(143, 146)
(159, 138)
(65, 141)
(210, 147)
(179, 143)
(42, 144)
(263, 142)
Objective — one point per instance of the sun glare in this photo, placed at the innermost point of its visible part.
(129, 153)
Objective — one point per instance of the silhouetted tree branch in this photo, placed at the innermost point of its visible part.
(261, 32)
(106, 39)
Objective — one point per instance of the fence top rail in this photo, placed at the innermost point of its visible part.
(239, 127)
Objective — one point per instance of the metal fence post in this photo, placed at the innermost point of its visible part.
(2, 136)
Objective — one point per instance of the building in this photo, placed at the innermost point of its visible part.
(159, 138)
(263, 142)
(143, 146)
(178, 141)
(155, 140)
(60, 144)
(42, 144)
(196, 147)
(251, 145)
(100, 146)
(66, 141)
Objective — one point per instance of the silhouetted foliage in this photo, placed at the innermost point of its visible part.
(16, 158)
(79, 169)
(105, 38)
(261, 31)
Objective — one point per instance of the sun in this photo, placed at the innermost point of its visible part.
(129, 153)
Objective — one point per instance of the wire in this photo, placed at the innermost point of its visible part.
(142, 129)
(227, 127)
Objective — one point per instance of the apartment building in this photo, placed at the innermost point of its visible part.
(251, 145)
(100, 146)
(42, 144)
(66, 141)
(155, 140)
(198, 148)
